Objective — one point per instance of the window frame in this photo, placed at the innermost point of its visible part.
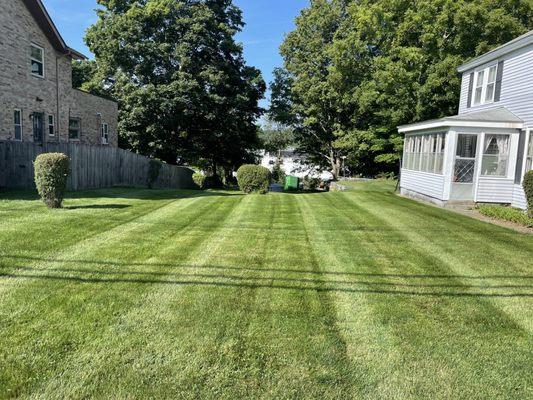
(51, 125)
(425, 152)
(21, 125)
(79, 129)
(104, 138)
(484, 85)
(484, 154)
(37, 61)
(529, 150)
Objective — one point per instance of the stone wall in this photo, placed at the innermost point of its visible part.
(51, 95)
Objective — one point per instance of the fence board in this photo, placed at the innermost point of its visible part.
(92, 167)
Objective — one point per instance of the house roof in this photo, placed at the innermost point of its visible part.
(493, 118)
(38, 11)
(498, 52)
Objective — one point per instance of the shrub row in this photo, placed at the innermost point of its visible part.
(506, 214)
(528, 189)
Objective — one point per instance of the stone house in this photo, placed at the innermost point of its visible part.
(37, 101)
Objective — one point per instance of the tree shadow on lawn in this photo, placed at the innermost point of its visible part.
(115, 192)
(98, 207)
(227, 279)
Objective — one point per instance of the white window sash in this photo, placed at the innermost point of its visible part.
(484, 84)
(36, 60)
(19, 125)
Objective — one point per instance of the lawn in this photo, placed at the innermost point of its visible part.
(130, 293)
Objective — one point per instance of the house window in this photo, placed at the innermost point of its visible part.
(37, 60)
(105, 133)
(529, 159)
(425, 153)
(51, 126)
(495, 155)
(17, 125)
(74, 129)
(485, 86)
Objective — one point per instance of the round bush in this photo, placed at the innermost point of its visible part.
(199, 180)
(253, 178)
(51, 172)
(528, 189)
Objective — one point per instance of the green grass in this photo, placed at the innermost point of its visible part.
(160, 294)
(506, 214)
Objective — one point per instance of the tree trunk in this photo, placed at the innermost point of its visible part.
(335, 161)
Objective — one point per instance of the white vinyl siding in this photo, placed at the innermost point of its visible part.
(519, 198)
(431, 185)
(495, 190)
(529, 151)
(517, 87)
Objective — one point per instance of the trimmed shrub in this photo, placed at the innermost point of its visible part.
(51, 173)
(154, 168)
(199, 180)
(528, 189)
(253, 178)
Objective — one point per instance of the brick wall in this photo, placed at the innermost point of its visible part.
(51, 95)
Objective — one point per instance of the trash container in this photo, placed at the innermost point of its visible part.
(292, 182)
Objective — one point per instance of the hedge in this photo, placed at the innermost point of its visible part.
(199, 179)
(253, 178)
(51, 173)
(528, 189)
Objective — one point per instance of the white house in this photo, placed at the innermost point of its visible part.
(481, 154)
(292, 164)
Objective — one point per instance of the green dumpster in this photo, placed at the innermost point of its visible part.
(292, 182)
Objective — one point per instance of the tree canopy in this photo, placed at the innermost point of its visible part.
(180, 77)
(358, 69)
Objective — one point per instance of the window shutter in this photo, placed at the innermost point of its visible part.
(470, 88)
(499, 77)
(520, 159)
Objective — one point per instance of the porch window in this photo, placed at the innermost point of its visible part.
(74, 129)
(37, 60)
(495, 155)
(529, 159)
(17, 125)
(485, 86)
(425, 153)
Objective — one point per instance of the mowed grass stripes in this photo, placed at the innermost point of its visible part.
(130, 293)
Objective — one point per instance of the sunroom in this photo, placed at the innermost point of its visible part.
(463, 159)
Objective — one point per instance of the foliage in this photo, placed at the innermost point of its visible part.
(506, 214)
(253, 178)
(281, 101)
(528, 189)
(51, 173)
(278, 174)
(182, 84)
(309, 183)
(154, 168)
(276, 138)
(199, 180)
(358, 69)
(87, 77)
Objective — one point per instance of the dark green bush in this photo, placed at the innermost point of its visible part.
(199, 179)
(278, 174)
(505, 213)
(51, 173)
(253, 178)
(154, 168)
(528, 189)
(309, 184)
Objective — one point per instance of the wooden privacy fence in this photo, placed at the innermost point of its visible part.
(91, 167)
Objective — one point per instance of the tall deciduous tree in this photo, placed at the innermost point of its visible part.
(361, 68)
(180, 77)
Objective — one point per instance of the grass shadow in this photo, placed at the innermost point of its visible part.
(98, 207)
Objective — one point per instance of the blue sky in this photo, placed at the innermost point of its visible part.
(267, 21)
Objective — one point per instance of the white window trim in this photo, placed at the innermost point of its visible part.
(529, 139)
(506, 176)
(33, 59)
(53, 124)
(423, 142)
(104, 139)
(21, 125)
(484, 85)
